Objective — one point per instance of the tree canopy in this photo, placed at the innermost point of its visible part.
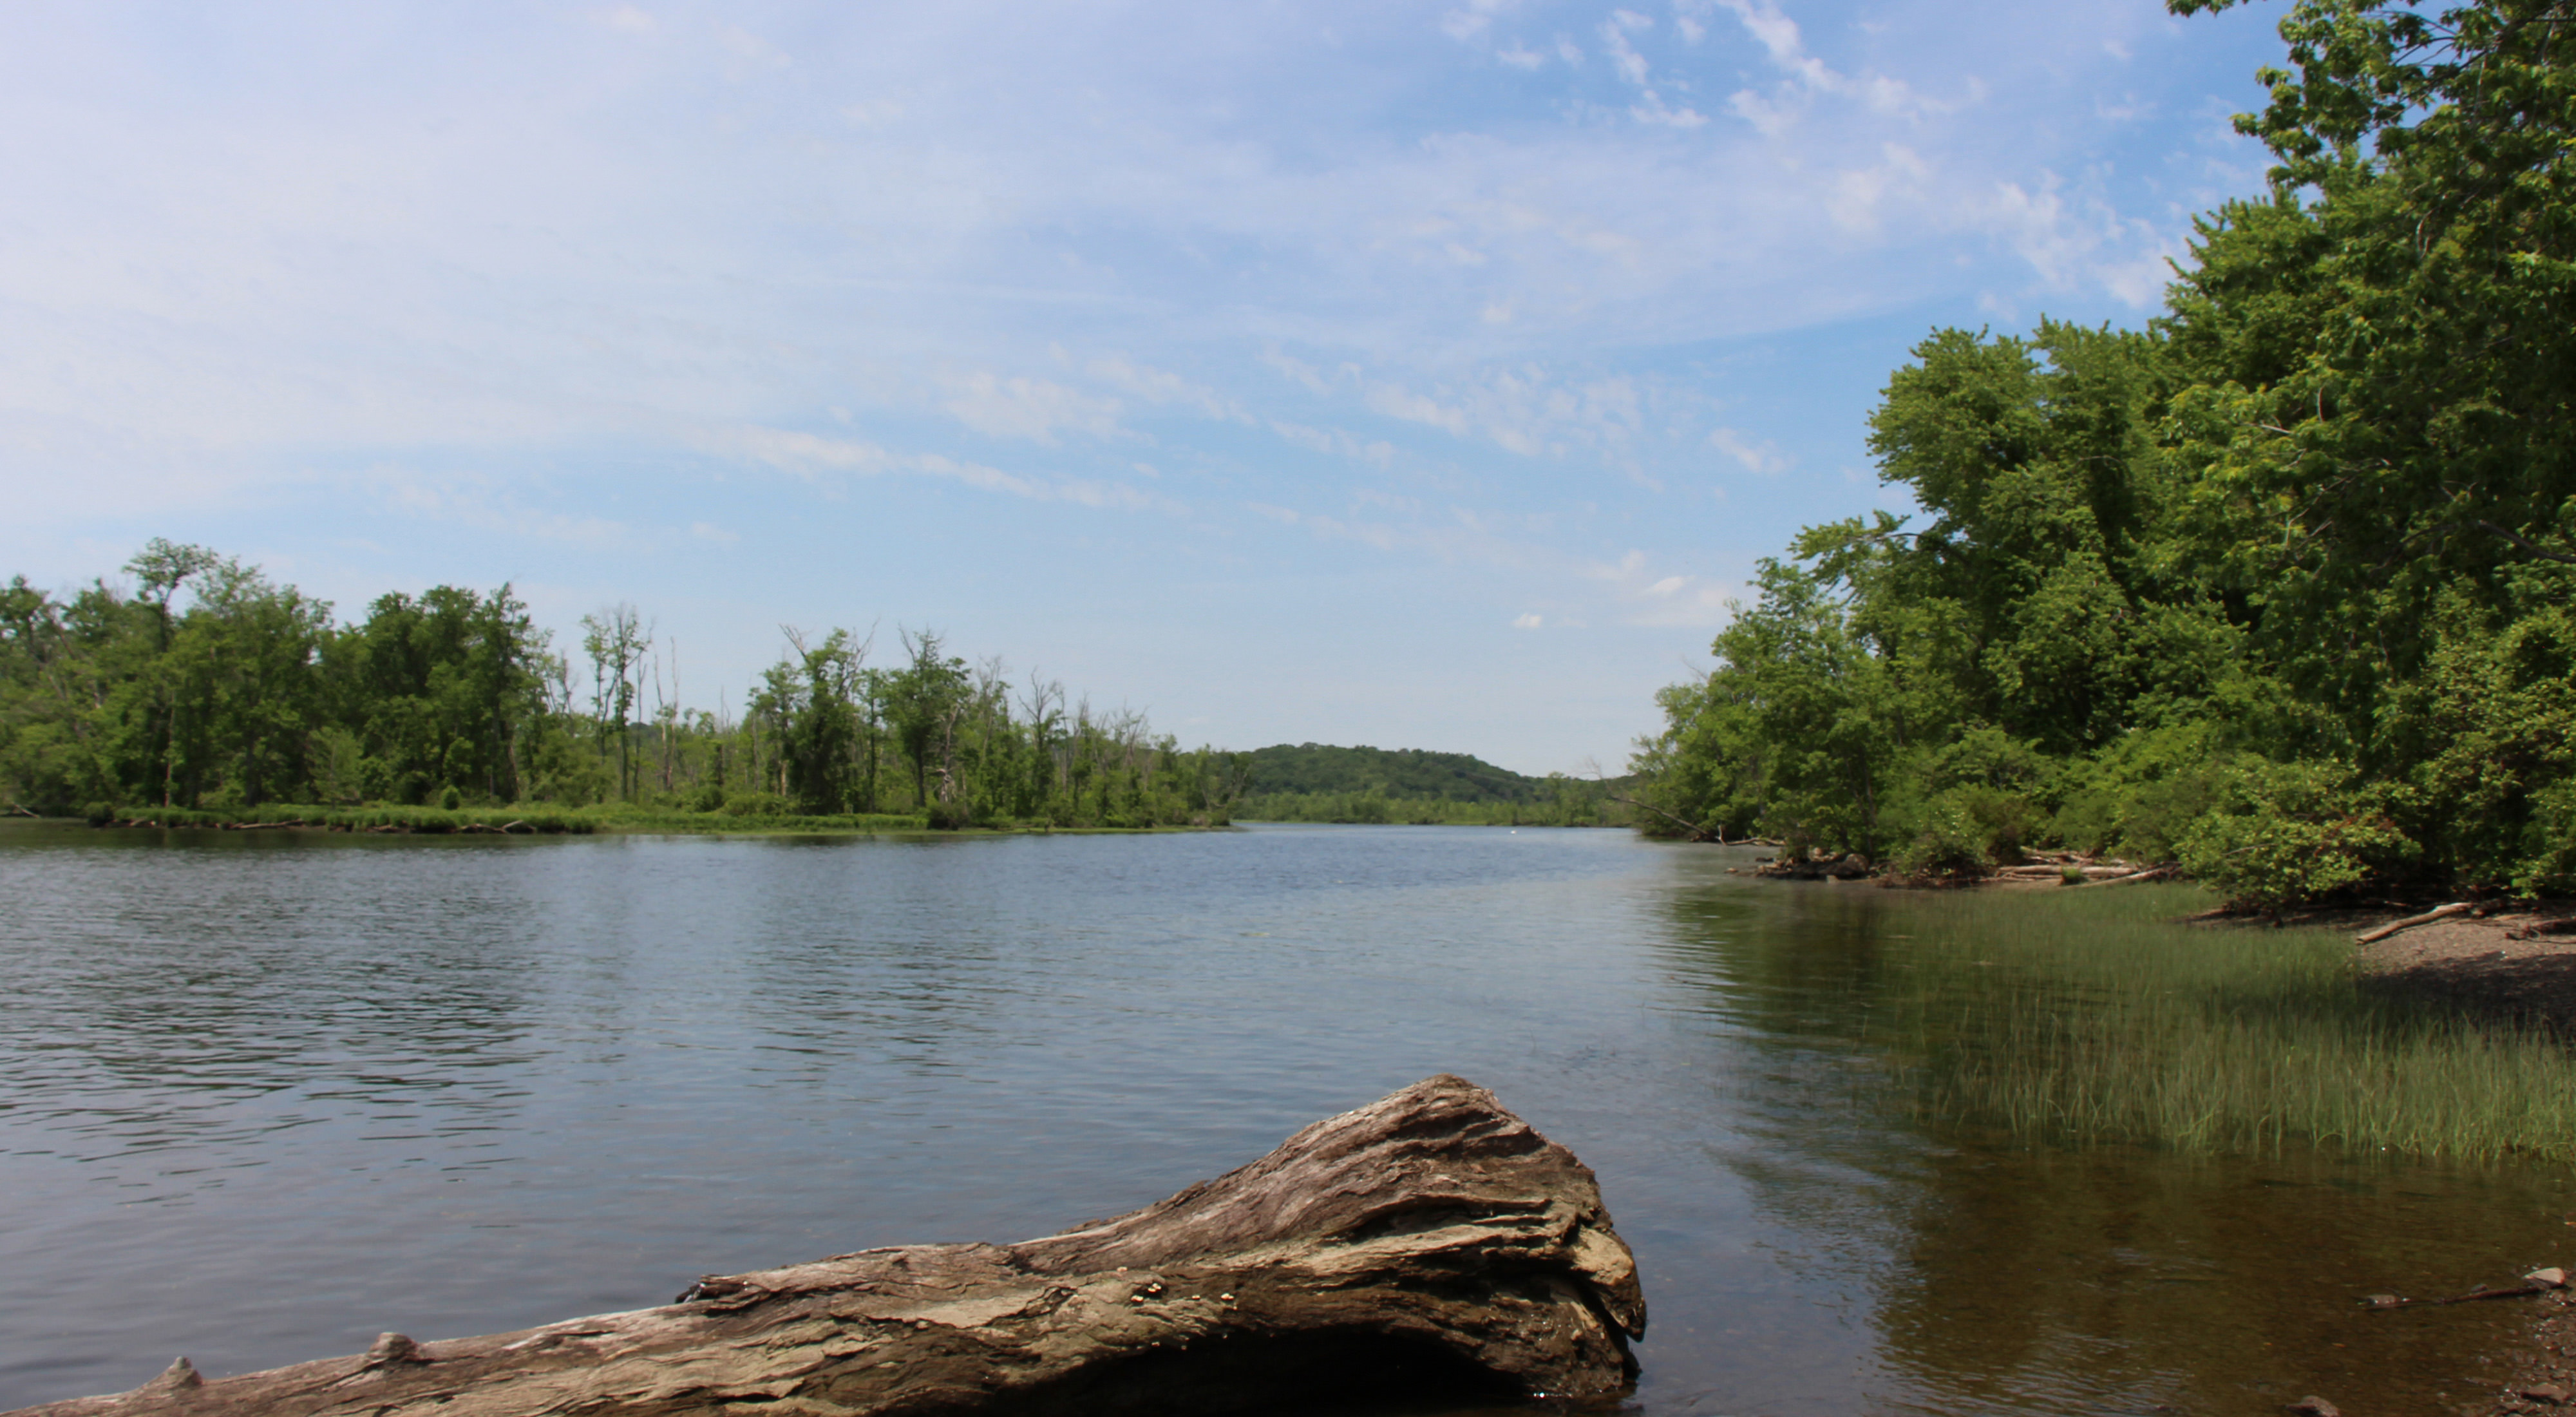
(2277, 586)
(199, 683)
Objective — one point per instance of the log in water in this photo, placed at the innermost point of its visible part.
(1430, 1241)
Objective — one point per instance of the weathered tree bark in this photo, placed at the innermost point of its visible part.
(1430, 1242)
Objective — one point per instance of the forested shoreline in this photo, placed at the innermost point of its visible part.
(1322, 782)
(2277, 588)
(198, 691)
(206, 691)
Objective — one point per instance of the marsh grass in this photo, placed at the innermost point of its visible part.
(2094, 1015)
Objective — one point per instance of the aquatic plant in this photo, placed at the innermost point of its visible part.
(2094, 1015)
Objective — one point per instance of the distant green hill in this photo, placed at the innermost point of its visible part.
(1318, 782)
(1405, 773)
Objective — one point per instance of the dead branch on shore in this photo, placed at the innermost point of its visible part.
(2439, 912)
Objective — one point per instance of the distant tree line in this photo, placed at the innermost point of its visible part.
(2282, 587)
(1316, 782)
(203, 684)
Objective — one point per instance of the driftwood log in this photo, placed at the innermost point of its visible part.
(2439, 912)
(1428, 1245)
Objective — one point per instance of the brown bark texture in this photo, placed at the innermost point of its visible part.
(1429, 1245)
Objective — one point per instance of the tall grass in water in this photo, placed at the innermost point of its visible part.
(2091, 1015)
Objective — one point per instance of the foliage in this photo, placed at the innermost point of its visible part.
(2279, 586)
(201, 687)
(1572, 802)
(2282, 833)
(1410, 774)
(1316, 782)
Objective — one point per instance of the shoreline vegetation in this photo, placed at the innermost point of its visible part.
(2280, 590)
(2117, 1016)
(200, 691)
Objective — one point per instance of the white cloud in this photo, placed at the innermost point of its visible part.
(1671, 599)
(1021, 407)
(489, 505)
(1397, 402)
(1336, 442)
(1624, 57)
(1527, 622)
(1471, 19)
(807, 454)
(1764, 458)
(1808, 76)
(1161, 387)
(748, 46)
(1862, 194)
(1651, 109)
(2075, 241)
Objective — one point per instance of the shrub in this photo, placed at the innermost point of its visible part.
(1950, 843)
(2286, 834)
(1969, 830)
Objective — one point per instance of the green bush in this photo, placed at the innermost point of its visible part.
(1970, 830)
(2286, 834)
(1949, 845)
(2548, 865)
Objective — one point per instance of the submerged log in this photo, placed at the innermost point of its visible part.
(1430, 1244)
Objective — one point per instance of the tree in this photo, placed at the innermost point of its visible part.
(2279, 584)
(615, 638)
(923, 701)
(811, 699)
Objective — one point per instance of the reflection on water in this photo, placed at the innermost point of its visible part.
(262, 1096)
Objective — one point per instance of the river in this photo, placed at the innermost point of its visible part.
(264, 1095)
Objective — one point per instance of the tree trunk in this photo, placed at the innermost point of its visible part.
(1430, 1245)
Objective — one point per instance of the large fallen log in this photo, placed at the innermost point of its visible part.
(1430, 1244)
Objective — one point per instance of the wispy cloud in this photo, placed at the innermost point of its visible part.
(489, 505)
(808, 455)
(1762, 458)
(1022, 407)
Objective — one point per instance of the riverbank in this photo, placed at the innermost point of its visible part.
(2496, 967)
(580, 821)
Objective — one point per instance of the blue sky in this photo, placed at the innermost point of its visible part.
(1424, 375)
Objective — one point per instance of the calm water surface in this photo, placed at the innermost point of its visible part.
(265, 1095)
